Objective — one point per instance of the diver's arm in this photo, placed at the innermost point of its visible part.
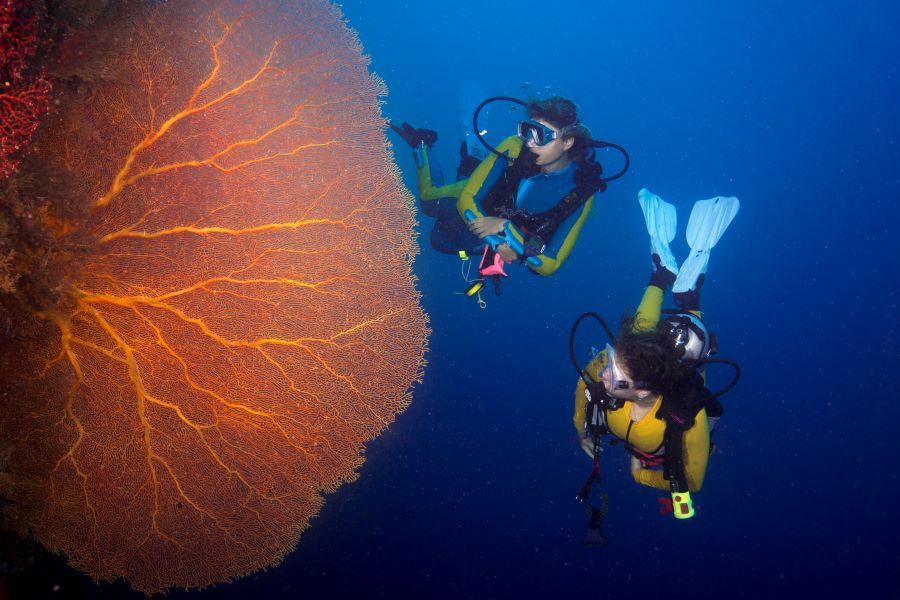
(593, 370)
(696, 457)
(554, 256)
(578, 417)
(696, 452)
(484, 177)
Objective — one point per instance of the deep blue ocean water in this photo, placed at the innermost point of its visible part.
(792, 107)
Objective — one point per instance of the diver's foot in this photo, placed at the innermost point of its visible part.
(415, 137)
(661, 277)
(690, 300)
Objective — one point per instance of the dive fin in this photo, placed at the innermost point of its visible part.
(415, 137)
(709, 220)
(470, 96)
(661, 221)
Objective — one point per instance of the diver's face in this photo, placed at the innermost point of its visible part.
(617, 380)
(552, 156)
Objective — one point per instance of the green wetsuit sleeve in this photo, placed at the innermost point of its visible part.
(696, 457)
(472, 192)
(427, 189)
(549, 264)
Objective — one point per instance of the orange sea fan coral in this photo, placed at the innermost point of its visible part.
(237, 314)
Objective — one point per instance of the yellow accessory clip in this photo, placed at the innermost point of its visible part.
(476, 287)
(682, 505)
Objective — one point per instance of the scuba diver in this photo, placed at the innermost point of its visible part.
(647, 388)
(516, 206)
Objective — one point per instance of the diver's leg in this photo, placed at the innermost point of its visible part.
(649, 310)
(661, 220)
(450, 236)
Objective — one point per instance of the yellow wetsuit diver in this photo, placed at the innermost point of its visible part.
(662, 356)
(646, 433)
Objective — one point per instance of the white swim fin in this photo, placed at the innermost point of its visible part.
(709, 220)
(661, 221)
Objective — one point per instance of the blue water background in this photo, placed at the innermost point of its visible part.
(791, 106)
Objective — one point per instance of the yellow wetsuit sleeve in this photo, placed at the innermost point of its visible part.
(427, 189)
(549, 264)
(488, 170)
(593, 369)
(696, 456)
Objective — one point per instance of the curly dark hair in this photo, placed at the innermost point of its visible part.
(653, 363)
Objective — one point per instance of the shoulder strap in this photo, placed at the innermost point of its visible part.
(501, 198)
(673, 458)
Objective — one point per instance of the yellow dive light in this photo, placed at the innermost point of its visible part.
(682, 505)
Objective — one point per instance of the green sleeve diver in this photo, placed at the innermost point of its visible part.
(543, 193)
(528, 206)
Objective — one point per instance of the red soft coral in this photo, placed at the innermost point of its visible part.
(24, 96)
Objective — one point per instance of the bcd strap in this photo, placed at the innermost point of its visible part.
(496, 279)
(673, 459)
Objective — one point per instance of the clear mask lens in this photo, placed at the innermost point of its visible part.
(617, 379)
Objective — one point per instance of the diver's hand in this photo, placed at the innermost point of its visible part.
(485, 226)
(506, 253)
(635, 466)
(587, 444)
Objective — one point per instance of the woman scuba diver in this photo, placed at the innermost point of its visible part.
(518, 206)
(647, 388)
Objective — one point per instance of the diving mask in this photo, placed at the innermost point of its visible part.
(540, 134)
(617, 379)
